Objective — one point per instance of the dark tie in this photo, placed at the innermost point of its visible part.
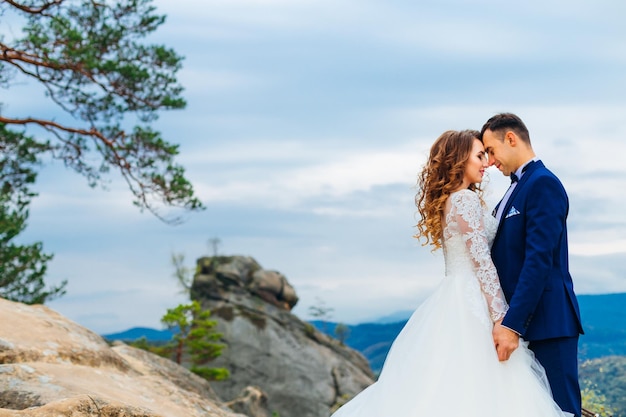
(515, 178)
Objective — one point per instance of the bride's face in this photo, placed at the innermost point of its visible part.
(476, 164)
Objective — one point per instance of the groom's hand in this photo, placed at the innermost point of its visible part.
(505, 340)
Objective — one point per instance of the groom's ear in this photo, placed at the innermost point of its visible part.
(510, 138)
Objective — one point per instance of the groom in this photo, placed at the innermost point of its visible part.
(531, 256)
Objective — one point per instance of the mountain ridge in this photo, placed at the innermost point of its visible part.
(603, 315)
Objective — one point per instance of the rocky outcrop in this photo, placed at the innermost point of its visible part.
(242, 275)
(51, 366)
(303, 372)
(251, 402)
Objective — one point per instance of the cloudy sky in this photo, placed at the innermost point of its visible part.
(306, 125)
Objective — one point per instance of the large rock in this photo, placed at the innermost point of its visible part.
(303, 372)
(243, 275)
(51, 366)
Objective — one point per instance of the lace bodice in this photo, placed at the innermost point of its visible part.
(467, 237)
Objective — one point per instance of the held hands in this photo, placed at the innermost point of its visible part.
(505, 340)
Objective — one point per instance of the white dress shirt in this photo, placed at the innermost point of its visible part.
(507, 195)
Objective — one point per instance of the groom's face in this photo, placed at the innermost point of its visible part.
(499, 152)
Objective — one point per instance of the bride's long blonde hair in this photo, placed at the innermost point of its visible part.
(442, 174)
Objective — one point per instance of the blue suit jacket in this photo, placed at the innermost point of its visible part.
(531, 255)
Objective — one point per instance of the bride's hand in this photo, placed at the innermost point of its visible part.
(505, 340)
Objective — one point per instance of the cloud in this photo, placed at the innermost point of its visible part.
(598, 273)
(249, 19)
(599, 248)
(208, 81)
(307, 123)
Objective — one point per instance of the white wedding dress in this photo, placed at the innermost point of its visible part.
(444, 363)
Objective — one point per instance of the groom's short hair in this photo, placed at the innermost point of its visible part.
(507, 121)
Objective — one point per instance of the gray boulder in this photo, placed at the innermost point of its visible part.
(304, 372)
(243, 275)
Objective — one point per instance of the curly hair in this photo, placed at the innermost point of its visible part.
(442, 174)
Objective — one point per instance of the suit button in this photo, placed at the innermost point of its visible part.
(527, 323)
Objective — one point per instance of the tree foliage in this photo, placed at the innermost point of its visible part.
(93, 64)
(22, 267)
(104, 85)
(183, 274)
(321, 311)
(342, 331)
(194, 334)
(594, 401)
(604, 385)
(158, 348)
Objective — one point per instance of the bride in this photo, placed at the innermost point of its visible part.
(443, 362)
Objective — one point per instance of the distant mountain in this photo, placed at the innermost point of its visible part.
(373, 340)
(402, 315)
(604, 322)
(135, 333)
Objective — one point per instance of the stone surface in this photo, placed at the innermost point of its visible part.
(303, 372)
(51, 366)
(251, 402)
(243, 275)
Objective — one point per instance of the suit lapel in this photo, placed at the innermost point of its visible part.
(531, 167)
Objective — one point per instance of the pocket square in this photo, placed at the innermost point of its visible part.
(512, 212)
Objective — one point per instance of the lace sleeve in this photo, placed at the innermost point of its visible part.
(469, 214)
